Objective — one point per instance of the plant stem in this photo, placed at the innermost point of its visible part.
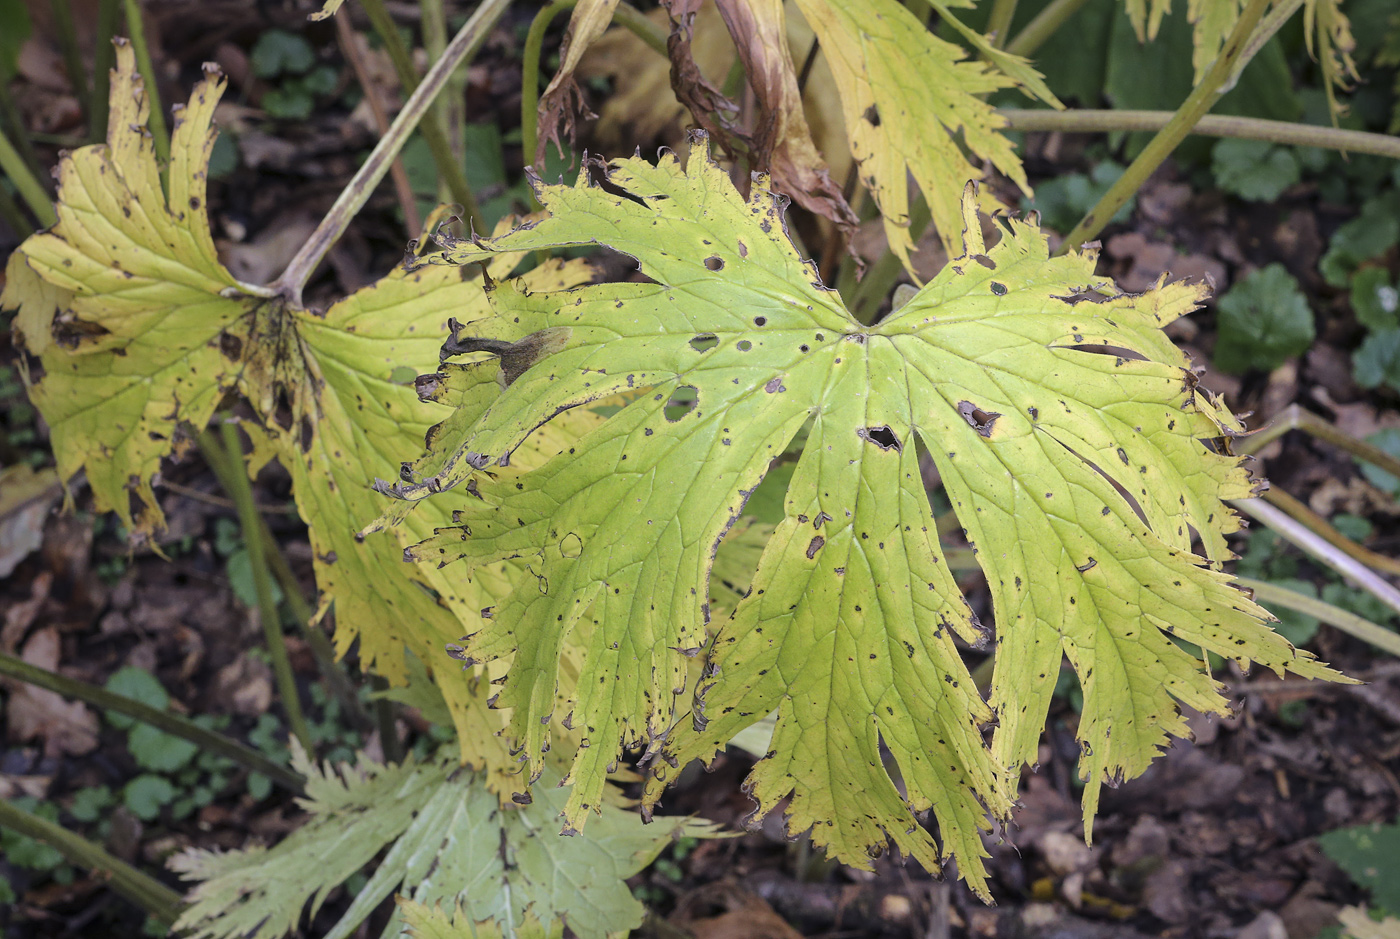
(162, 903)
(1201, 100)
(1314, 545)
(109, 14)
(1046, 22)
(345, 36)
(463, 46)
(1269, 24)
(29, 188)
(1294, 417)
(1306, 516)
(1347, 622)
(1212, 125)
(12, 216)
(386, 718)
(175, 724)
(10, 118)
(999, 22)
(224, 469)
(72, 59)
(248, 518)
(136, 30)
(881, 277)
(429, 125)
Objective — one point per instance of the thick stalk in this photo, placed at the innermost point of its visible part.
(429, 125)
(1347, 622)
(162, 903)
(248, 519)
(1323, 528)
(999, 22)
(1046, 22)
(72, 58)
(174, 724)
(25, 182)
(136, 30)
(345, 36)
(1201, 100)
(1212, 125)
(224, 470)
(1314, 546)
(109, 15)
(463, 46)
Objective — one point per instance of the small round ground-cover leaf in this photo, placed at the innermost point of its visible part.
(1074, 446)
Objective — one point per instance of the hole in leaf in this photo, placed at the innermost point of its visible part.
(978, 419)
(714, 263)
(744, 345)
(881, 436)
(1103, 349)
(705, 342)
(760, 321)
(682, 402)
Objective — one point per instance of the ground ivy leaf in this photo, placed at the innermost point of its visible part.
(1066, 427)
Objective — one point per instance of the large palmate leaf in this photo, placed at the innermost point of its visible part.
(449, 842)
(1067, 430)
(141, 332)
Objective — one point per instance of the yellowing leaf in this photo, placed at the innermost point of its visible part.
(1065, 426)
(423, 922)
(142, 332)
(905, 94)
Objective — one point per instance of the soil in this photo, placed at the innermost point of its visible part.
(1215, 840)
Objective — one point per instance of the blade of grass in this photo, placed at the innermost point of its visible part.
(11, 215)
(62, 12)
(109, 15)
(162, 903)
(175, 724)
(248, 519)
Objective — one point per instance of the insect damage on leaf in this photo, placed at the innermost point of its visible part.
(1079, 478)
(141, 332)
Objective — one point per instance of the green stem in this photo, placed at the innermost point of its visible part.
(460, 51)
(1324, 529)
(999, 22)
(1347, 622)
(162, 903)
(109, 14)
(1212, 125)
(174, 724)
(224, 470)
(136, 30)
(25, 182)
(248, 518)
(1046, 22)
(72, 58)
(882, 275)
(430, 123)
(1201, 100)
(12, 122)
(1294, 417)
(12, 216)
(1314, 545)
(626, 16)
(386, 717)
(1268, 26)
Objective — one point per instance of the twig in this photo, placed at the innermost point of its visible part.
(1201, 100)
(241, 492)
(208, 498)
(1212, 125)
(136, 30)
(175, 724)
(463, 46)
(1315, 546)
(345, 33)
(162, 903)
(29, 188)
